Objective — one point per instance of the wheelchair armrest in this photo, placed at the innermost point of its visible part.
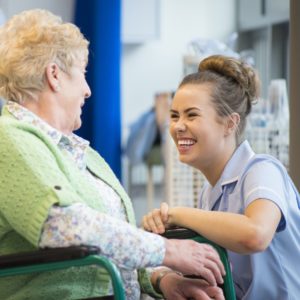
(185, 233)
(179, 233)
(52, 259)
(46, 255)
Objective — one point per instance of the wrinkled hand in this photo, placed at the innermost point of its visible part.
(157, 220)
(192, 258)
(175, 287)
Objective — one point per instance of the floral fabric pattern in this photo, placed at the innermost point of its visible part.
(129, 247)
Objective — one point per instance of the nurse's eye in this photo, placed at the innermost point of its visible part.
(192, 115)
(174, 116)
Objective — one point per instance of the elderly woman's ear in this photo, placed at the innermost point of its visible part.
(52, 76)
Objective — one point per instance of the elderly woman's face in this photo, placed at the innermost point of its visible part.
(73, 90)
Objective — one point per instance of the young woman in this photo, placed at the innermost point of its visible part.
(249, 205)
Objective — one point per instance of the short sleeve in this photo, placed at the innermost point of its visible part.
(267, 180)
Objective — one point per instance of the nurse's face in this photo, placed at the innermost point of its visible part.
(197, 130)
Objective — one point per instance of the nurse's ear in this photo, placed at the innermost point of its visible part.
(232, 123)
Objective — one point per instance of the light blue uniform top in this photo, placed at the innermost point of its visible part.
(273, 274)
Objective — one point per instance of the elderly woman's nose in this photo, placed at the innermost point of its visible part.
(88, 92)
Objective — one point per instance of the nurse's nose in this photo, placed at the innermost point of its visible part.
(180, 125)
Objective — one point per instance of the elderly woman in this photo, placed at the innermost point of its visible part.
(57, 191)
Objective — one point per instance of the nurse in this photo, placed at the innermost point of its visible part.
(249, 204)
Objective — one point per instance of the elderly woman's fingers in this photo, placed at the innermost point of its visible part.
(177, 287)
(214, 270)
(215, 292)
(192, 258)
(201, 295)
(213, 255)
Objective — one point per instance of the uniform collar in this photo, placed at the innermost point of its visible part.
(231, 173)
(236, 164)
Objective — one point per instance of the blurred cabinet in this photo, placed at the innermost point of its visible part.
(263, 27)
(140, 21)
(263, 31)
(257, 13)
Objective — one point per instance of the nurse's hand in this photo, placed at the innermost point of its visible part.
(157, 220)
(177, 287)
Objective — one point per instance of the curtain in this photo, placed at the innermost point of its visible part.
(99, 21)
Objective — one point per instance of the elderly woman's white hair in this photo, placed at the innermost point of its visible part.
(30, 41)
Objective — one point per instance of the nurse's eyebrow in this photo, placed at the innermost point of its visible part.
(191, 108)
(186, 110)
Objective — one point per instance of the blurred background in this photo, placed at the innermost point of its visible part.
(139, 52)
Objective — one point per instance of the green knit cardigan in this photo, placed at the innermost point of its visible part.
(35, 175)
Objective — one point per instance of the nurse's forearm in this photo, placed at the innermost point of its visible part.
(235, 232)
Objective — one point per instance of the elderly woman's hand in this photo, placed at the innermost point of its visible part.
(192, 258)
(177, 287)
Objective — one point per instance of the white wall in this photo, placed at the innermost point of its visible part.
(157, 65)
(63, 8)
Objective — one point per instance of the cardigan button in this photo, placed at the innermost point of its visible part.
(57, 187)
